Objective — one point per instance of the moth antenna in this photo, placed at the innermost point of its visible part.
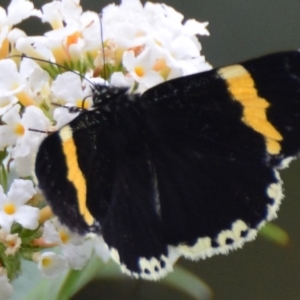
(83, 101)
(53, 63)
(40, 131)
(102, 45)
(72, 109)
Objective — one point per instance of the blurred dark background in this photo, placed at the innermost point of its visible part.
(261, 270)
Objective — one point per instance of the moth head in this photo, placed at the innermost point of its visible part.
(104, 94)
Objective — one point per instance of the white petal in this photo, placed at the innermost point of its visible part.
(5, 288)
(52, 14)
(71, 11)
(184, 48)
(51, 264)
(3, 17)
(63, 116)
(25, 165)
(151, 79)
(135, 5)
(15, 34)
(129, 61)
(67, 87)
(10, 79)
(50, 234)
(118, 79)
(12, 117)
(19, 10)
(192, 27)
(6, 103)
(27, 216)
(7, 136)
(76, 256)
(21, 191)
(22, 148)
(6, 220)
(34, 118)
(3, 198)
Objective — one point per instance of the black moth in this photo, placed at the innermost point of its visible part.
(189, 168)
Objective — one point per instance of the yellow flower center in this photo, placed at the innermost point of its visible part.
(64, 236)
(162, 68)
(137, 50)
(25, 99)
(73, 38)
(9, 208)
(19, 129)
(82, 104)
(4, 49)
(56, 23)
(46, 262)
(139, 70)
(11, 243)
(159, 64)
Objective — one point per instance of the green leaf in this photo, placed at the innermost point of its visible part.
(275, 234)
(75, 280)
(3, 177)
(188, 283)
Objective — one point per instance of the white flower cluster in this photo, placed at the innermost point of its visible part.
(141, 46)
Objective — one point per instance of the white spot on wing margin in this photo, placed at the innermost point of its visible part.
(151, 269)
(203, 246)
(275, 192)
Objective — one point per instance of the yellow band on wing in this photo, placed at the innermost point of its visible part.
(242, 88)
(74, 173)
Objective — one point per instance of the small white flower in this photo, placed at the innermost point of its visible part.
(51, 264)
(10, 81)
(26, 84)
(17, 129)
(17, 133)
(78, 255)
(6, 289)
(67, 88)
(13, 207)
(75, 248)
(55, 232)
(19, 10)
(141, 69)
(12, 242)
(13, 129)
(118, 79)
(57, 12)
(74, 33)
